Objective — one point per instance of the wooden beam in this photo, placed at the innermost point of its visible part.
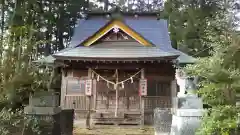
(123, 27)
(122, 65)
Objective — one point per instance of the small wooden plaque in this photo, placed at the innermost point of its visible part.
(88, 87)
(143, 87)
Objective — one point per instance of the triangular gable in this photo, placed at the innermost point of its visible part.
(116, 35)
(119, 25)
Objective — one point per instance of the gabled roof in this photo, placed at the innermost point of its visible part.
(155, 31)
(150, 28)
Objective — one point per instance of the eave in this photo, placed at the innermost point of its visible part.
(105, 59)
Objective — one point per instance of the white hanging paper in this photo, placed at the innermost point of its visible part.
(131, 80)
(115, 86)
(98, 78)
(108, 84)
(122, 85)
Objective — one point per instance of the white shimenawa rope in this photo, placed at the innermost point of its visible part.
(114, 83)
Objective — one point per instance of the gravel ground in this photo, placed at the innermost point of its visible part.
(114, 130)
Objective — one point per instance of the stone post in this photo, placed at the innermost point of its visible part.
(162, 121)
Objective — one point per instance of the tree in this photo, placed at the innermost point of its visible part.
(15, 64)
(129, 5)
(220, 79)
(220, 75)
(54, 20)
(196, 19)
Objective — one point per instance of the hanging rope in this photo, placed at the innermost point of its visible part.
(99, 76)
(115, 84)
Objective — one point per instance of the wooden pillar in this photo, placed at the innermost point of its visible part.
(95, 94)
(174, 88)
(89, 103)
(117, 97)
(117, 100)
(142, 101)
(174, 95)
(63, 88)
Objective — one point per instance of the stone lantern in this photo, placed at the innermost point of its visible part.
(188, 107)
(44, 106)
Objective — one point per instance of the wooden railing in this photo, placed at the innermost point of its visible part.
(152, 102)
(80, 102)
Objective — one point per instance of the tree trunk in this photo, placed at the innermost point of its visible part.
(106, 4)
(47, 49)
(2, 26)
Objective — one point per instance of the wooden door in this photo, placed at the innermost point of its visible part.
(128, 98)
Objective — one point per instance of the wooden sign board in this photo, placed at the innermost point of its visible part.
(88, 87)
(143, 87)
(75, 85)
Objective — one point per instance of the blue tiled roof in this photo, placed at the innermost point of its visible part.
(130, 52)
(153, 30)
(156, 31)
(85, 29)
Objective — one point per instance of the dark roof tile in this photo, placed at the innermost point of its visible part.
(85, 29)
(134, 52)
(156, 31)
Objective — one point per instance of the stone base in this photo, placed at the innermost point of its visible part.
(42, 110)
(186, 121)
(189, 112)
(156, 133)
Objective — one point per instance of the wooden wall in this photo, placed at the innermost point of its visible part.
(77, 100)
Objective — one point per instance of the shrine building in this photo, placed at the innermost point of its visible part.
(119, 67)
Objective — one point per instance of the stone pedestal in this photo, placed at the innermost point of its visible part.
(186, 121)
(187, 115)
(44, 107)
(44, 99)
(162, 121)
(187, 107)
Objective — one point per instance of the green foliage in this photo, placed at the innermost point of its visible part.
(199, 22)
(16, 122)
(220, 73)
(54, 20)
(221, 121)
(18, 77)
(10, 121)
(220, 82)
